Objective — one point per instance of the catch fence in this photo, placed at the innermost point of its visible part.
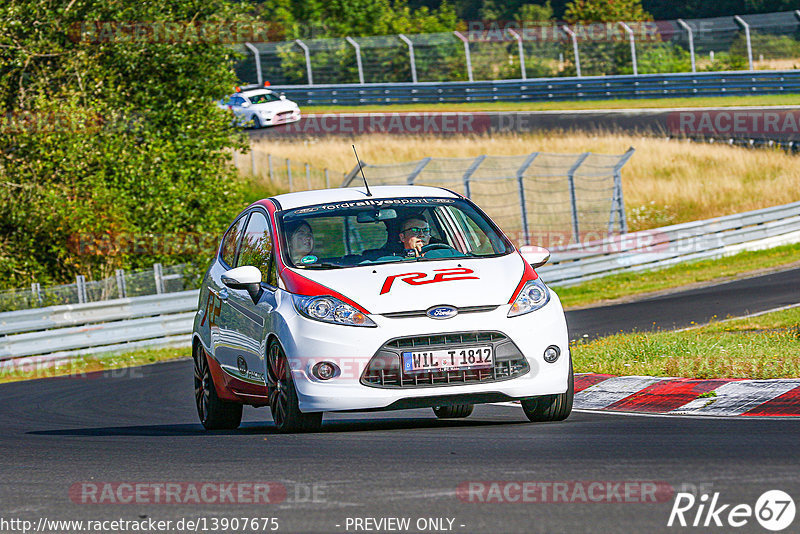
(520, 50)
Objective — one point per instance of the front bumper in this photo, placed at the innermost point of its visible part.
(308, 342)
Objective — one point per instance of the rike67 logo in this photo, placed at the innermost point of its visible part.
(774, 510)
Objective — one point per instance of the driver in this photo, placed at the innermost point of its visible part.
(415, 233)
(301, 241)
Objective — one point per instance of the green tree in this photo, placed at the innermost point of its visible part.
(112, 150)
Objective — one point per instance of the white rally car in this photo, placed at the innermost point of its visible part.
(259, 107)
(408, 297)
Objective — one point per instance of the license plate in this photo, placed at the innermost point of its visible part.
(419, 361)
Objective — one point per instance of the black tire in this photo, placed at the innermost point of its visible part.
(456, 411)
(551, 407)
(214, 413)
(283, 396)
(256, 123)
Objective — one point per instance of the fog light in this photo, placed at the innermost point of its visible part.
(325, 370)
(551, 354)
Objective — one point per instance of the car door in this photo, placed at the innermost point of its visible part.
(252, 315)
(220, 316)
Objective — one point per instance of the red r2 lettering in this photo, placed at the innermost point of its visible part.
(418, 279)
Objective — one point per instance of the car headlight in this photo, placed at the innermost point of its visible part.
(266, 114)
(330, 310)
(533, 296)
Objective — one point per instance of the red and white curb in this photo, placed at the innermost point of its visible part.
(688, 396)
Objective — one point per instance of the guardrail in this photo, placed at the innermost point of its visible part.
(543, 89)
(48, 335)
(661, 247)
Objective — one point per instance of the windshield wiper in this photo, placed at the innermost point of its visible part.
(322, 265)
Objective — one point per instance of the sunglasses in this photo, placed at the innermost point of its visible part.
(418, 231)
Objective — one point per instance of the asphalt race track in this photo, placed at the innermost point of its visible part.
(139, 426)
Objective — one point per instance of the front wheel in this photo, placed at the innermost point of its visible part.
(551, 407)
(456, 411)
(214, 413)
(256, 123)
(283, 401)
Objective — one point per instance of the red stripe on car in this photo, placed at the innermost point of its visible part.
(528, 274)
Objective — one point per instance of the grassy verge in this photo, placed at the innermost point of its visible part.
(620, 286)
(84, 367)
(767, 346)
(722, 101)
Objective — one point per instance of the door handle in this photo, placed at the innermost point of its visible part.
(223, 294)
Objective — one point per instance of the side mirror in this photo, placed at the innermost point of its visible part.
(245, 104)
(536, 256)
(283, 97)
(247, 278)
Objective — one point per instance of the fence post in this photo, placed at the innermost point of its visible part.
(469, 172)
(310, 75)
(159, 278)
(327, 180)
(413, 176)
(573, 197)
(739, 20)
(629, 31)
(353, 173)
(466, 54)
(358, 59)
(617, 195)
(308, 176)
(80, 284)
(289, 172)
(518, 37)
(36, 290)
(410, 45)
(574, 39)
(121, 289)
(269, 164)
(257, 55)
(523, 207)
(252, 162)
(690, 33)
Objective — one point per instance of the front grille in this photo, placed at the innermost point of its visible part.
(423, 313)
(385, 369)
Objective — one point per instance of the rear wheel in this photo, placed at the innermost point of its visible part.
(456, 411)
(214, 413)
(551, 407)
(283, 396)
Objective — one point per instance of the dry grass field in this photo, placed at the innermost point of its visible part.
(666, 181)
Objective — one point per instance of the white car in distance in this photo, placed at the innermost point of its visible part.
(257, 107)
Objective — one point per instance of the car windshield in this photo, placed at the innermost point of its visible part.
(262, 99)
(349, 234)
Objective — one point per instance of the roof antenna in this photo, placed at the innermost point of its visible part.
(362, 171)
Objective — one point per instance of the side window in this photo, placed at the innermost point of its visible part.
(256, 249)
(230, 241)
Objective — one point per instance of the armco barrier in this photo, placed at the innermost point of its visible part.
(669, 245)
(61, 332)
(551, 89)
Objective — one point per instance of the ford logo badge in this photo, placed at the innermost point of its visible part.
(442, 312)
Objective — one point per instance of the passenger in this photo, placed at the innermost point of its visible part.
(301, 241)
(415, 233)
